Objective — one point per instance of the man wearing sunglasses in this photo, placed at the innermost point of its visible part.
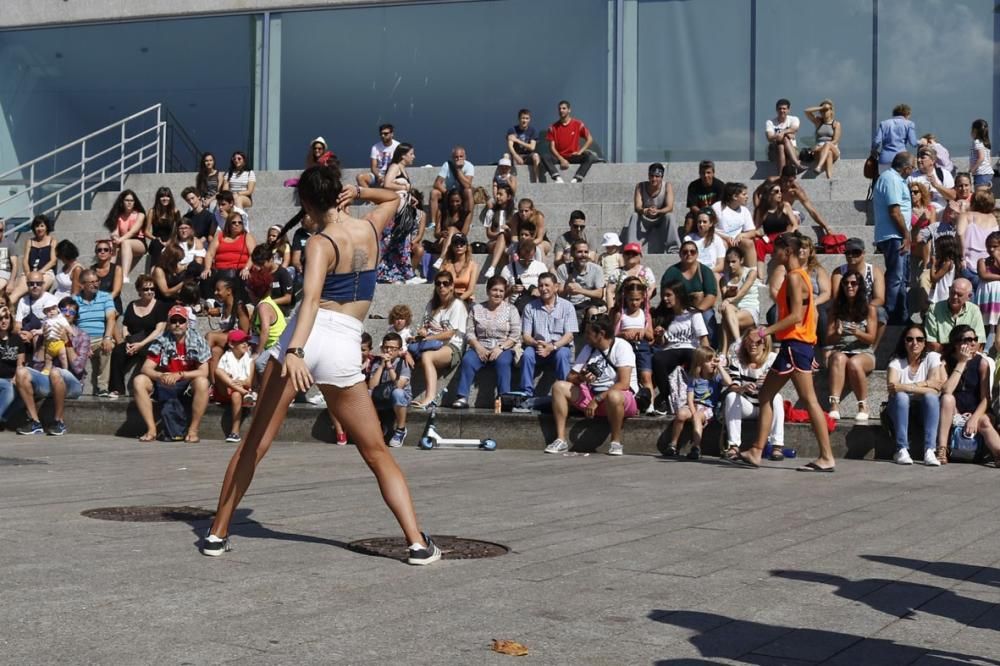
(946, 315)
(176, 364)
(97, 316)
(31, 308)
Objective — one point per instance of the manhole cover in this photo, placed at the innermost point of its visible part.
(452, 548)
(17, 462)
(149, 514)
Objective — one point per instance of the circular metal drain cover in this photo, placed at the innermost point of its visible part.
(452, 548)
(149, 514)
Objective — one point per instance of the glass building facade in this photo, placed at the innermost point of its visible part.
(653, 79)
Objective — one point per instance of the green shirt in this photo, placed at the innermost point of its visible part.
(703, 280)
(940, 322)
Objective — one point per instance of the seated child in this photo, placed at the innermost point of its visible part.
(234, 380)
(53, 327)
(703, 390)
(401, 323)
(611, 259)
(389, 383)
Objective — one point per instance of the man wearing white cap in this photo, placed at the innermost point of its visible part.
(650, 223)
(381, 156)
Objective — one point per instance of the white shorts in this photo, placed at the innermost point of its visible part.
(333, 350)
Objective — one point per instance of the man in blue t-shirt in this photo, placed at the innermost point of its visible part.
(96, 316)
(892, 207)
(522, 144)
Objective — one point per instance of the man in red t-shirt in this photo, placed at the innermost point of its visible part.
(564, 137)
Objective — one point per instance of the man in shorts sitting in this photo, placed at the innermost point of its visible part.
(602, 382)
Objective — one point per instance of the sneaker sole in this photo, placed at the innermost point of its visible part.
(616, 453)
(211, 553)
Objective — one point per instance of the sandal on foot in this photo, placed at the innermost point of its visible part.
(942, 454)
(147, 438)
(813, 467)
(834, 408)
(776, 454)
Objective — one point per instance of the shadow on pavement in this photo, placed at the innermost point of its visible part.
(246, 527)
(982, 574)
(746, 642)
(902, 599)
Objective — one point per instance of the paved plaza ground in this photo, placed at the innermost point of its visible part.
(632, 560)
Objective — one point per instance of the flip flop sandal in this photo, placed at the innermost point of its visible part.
(813, 467)
(740, 461)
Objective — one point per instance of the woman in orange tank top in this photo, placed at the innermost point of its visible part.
(796, 329)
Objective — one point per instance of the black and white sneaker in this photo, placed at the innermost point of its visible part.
(213, 546)
(426, 555)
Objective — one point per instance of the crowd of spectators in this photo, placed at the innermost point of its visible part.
(647, 343)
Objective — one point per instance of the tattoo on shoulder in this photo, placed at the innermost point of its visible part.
(359, 261)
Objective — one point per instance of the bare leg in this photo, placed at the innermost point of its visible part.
(772, 386)
(837, 365)
(142, 390)
(858, 369)
(272, 406)
(697, 428)
(615, 410)
(944, 426)
(562, 393)
(200, 387)
(353, 407)
(430, 361)
(807, 393)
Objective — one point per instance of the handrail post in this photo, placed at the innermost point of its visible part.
(31, 190)
(83, 172)
(159, 140)
(121, 160)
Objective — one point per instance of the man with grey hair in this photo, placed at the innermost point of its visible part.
(96, 318)
(946, 315)
(892, 208)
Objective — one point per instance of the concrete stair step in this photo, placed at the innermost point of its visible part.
(643, 435)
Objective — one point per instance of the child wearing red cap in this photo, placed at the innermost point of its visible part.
(234, 380)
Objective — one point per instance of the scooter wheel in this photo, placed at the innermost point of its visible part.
(426, 443)
(488, 444)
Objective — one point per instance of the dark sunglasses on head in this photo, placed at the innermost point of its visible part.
(911, 338)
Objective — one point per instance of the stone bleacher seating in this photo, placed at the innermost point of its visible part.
(605, 197)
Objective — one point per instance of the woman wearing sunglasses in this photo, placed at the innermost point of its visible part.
(850, 335)
(337, 293)
(915, 379)
(965, 395)
(441, 337)
(145, 320)
(109, 274)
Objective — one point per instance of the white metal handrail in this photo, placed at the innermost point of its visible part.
(126, 153)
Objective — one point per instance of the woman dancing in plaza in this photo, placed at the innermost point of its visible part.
(337, 293)
(796, 330)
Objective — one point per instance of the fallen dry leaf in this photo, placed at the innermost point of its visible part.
(512, 648)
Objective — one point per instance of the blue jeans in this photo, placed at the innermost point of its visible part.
(471, 365)
(897, 269)
(927, 405)
(7, 395)
(971, 276)
(979, 180)
(560, 359)
(41, 387)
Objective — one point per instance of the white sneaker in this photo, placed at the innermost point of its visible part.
(490, 272)
(557, 446)
(834, 414)
(416, 279)
(931, 459)
(650, 411)
(439, 263)
(126, 280)
(576, 180)
(902, 457)
(616, 449)
(317, 399)
(558, 179)
(862, 415)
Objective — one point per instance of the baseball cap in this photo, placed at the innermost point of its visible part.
(610, 239)
(459, 239)
(632, 247)
(178, 311)
(504, 162)
(854, 244)
(237, 336)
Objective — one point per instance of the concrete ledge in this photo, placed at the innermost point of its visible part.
(643, 435)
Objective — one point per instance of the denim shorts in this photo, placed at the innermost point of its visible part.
(41, 387)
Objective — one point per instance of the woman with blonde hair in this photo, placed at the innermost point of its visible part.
(828, 131)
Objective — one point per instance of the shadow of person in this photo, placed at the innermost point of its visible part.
(902, 599)
(747, 642)
(244, 526)
(980, 574)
